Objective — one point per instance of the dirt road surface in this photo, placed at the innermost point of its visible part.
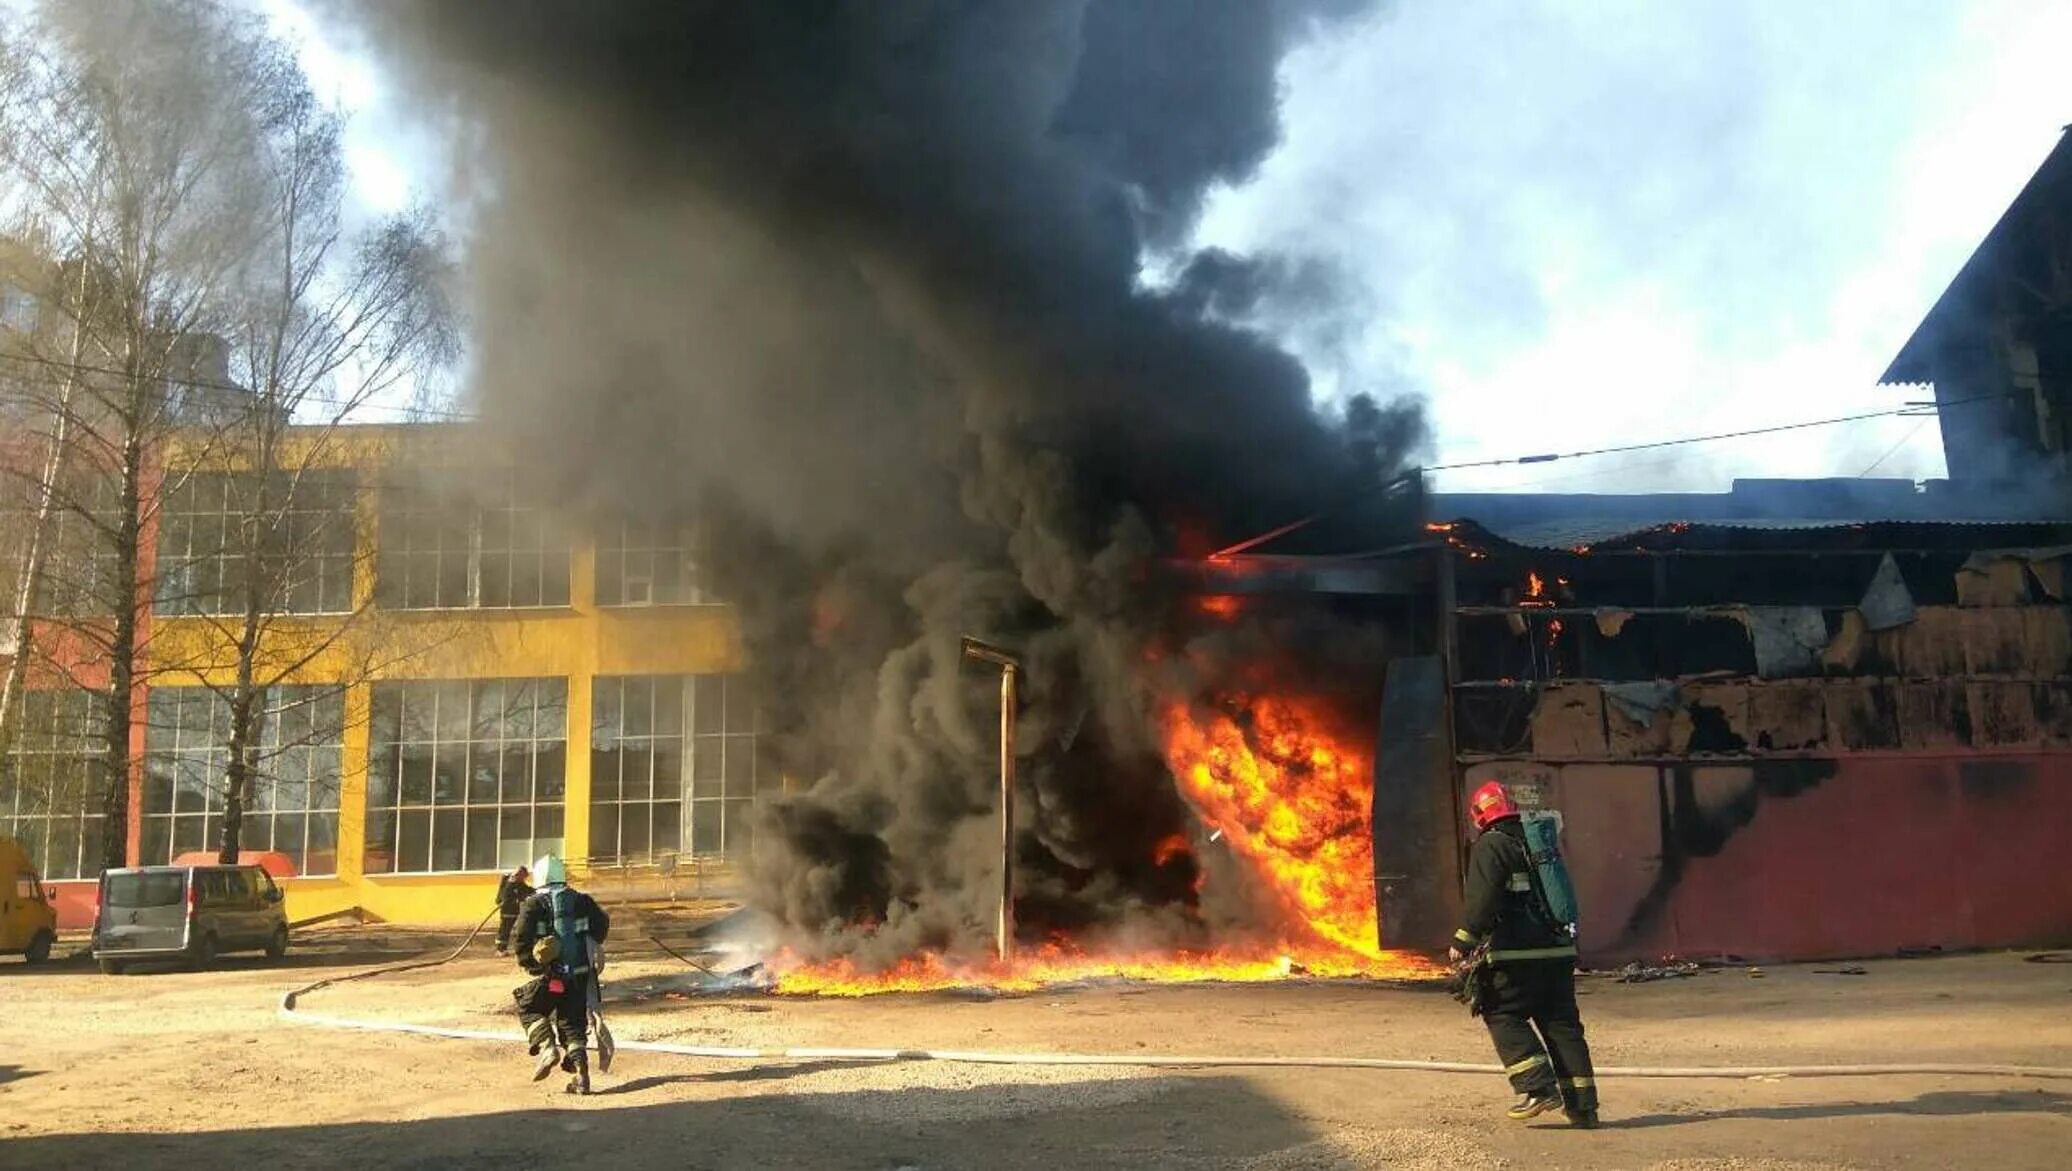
(183, 1069)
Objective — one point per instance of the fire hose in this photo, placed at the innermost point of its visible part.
(290, 1010)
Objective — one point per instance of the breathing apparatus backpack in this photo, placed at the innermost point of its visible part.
(1549, 871)
(570, 929)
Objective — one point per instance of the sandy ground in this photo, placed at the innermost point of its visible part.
(178, 1069)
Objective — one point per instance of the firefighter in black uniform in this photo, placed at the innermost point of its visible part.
(558, 1018)
(1530, 979)
(511, 894)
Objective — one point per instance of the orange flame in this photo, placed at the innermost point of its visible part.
(1062, 963)
(1168, 848)
(1295, 805)
(1291, 802)
(1221, 606)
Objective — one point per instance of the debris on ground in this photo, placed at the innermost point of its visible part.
(1851, 970)
(1639, 973)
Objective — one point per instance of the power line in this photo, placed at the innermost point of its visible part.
(1891, 451)
(1911, 410)
(207, 384)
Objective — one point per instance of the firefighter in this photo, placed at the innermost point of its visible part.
(1529, 982)
(556, 928)
(511, 892)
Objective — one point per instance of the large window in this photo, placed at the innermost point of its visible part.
(673, 761)
(646, 565)
(442, 549)
(304, 531)
(79, 576)
(51, 792)
(465, 775)
(293, 804)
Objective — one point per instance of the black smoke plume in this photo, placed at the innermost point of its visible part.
(859, 285)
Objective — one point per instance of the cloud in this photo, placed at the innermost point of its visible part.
(1590, 224)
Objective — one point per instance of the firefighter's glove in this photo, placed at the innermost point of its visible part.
(1455, 955)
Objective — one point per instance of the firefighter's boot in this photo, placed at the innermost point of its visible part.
(1531, 1106)
(580, 1060)
(550, 1056)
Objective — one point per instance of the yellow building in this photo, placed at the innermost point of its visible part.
(469, 677)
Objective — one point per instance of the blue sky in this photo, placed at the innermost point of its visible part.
(1571, 225)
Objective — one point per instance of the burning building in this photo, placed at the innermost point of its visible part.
(861, 288)
(1828, 734)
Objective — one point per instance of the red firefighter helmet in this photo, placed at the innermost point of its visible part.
(1490, 804)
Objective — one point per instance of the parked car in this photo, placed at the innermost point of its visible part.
(28, 923)
(191, 913)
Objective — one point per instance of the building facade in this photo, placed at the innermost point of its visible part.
(466, 676)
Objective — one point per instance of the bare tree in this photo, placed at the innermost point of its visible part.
(323, 323)
(131, 137)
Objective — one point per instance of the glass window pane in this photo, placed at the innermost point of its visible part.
(482, 838)
(157, 846)
(705, 831)
(636, 761)
(668, 769)
(514, 834)
(668, 829)
(707, 761)
(496, 580)
(604, 776)
(448, 837)
(604, 833)
(546, 830)
(322, 855)
(740, 766)
(417, 775)
(708, 704)
(638, 710)
(414, 841)
(287, 837)
(482, 778)
(382, 768)
(381, 841)
(548, 775)
(669, 706)
(515, 785)
(633, 832)
(554, 577)
(449, 772)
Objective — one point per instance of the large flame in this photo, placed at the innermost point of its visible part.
(1293, 802)
(1287, 798)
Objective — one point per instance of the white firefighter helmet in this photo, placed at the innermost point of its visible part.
(550, 871)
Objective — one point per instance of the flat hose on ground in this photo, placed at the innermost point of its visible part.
(289, 1010)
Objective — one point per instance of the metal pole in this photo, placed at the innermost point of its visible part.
(1008, 677)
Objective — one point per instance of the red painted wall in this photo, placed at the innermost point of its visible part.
(1813, 859)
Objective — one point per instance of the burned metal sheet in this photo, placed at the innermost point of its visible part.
(1886, 601)
(1788, 640)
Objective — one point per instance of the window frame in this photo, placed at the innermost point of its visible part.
(619, 542)
(327, 564)
(400, 505)
(731, 793)
(72, 741)
(389, 798)
(170, 761)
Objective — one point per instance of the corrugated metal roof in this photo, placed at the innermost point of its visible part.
(1575, 532)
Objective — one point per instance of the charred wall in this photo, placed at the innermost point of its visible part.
(1820, 749)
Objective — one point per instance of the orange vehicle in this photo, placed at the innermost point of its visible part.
(28, 921)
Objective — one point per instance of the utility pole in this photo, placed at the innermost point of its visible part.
(1010, 672)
